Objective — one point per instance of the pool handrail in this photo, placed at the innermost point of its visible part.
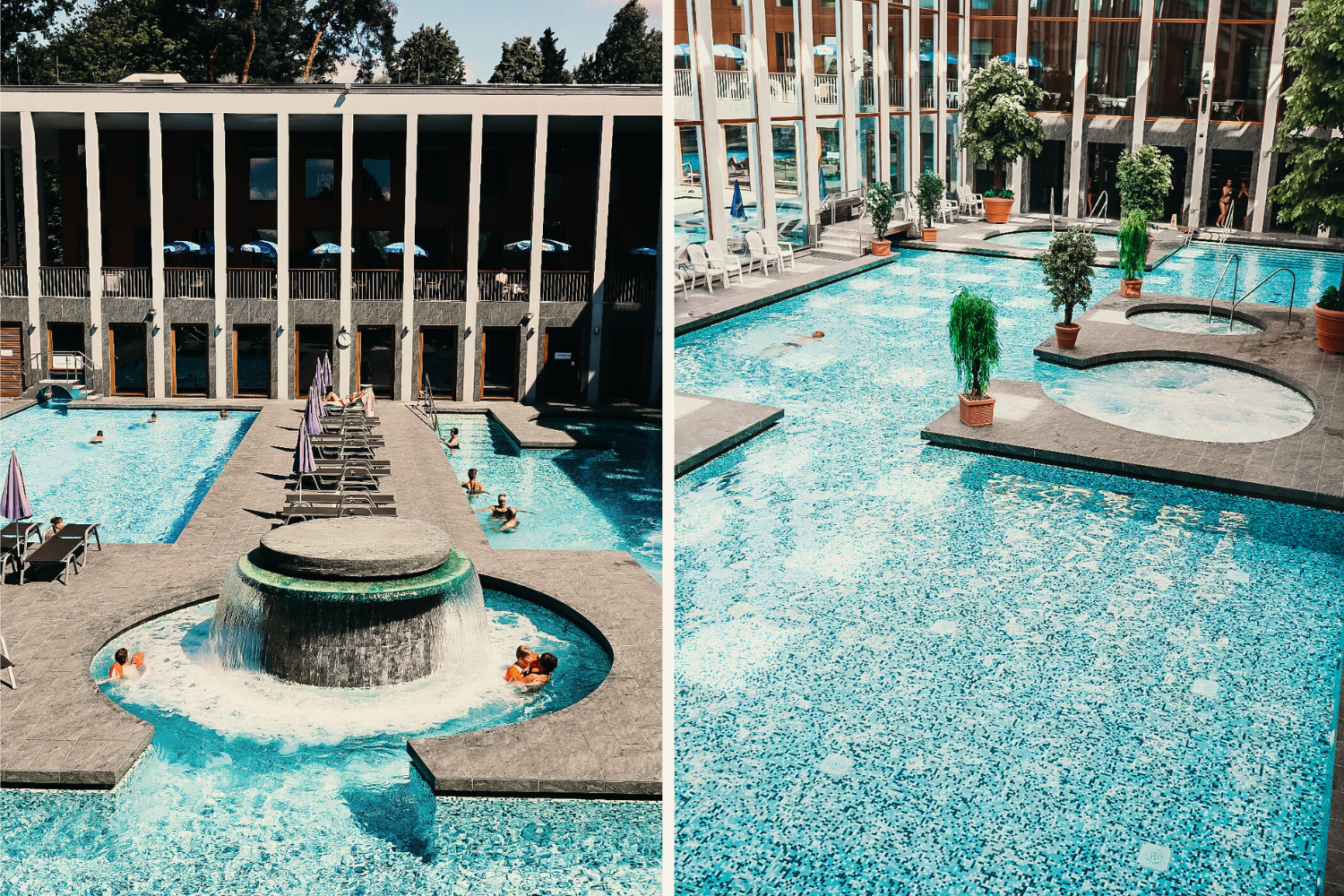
(1235, 275)
(1092, 218)
(1292, 292)
(1052, 211)
(432, 411)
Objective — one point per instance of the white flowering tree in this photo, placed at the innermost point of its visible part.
(997, 125)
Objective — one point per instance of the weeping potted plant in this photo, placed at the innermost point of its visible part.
(1330, 321)
(998, 127)
(972, 334)
(1067, 268)
(931, 189)
(1133, 243)
(881, 207)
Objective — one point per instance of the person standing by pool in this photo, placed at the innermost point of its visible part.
(473, 485)
(451, 441)
(97, 439)
(1225, 203)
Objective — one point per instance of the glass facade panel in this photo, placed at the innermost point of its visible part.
(952, 172)
(376, 178)
(865, 87)
(1234, 10)
(790, 216)
(1067, 9)
(1116, 9)
(928, 30)
(1112, 67)
(740, 187)
(928, 147)
(732, 63)
(898, 19)
(867, 151)
(781, 48)
(898, 150)
(953, 62)
(319, 174)
(1051, 47)
(831, 164)
(688, 203)
(826, 55)
(261, 173)
(1181, 9)
(686, 101)
(1173, 85)
(994, 8)
(1242, 74)
(992, 38)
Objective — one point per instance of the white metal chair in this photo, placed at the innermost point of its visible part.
(706, 267)
(684, 281)
(778, 252)
(728, 262)
(756, 246)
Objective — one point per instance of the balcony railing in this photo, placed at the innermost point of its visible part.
(441, 286)
(898, 99)
(314, 283)
(189, 283)
(126, 283)
(953, 94)
(14, 281)
(375, 286)
(784, 94)
(683, 105)
(251, 283)
(623, 288)
(65, 282)
(681, 83)
(928, 98)
(566, 286)
(828, 90)
(734, 92)
(867, 95)
(510, 287)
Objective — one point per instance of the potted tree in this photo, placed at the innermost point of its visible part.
(1067, 266)
(931, 189)
(881, 206)
(1143, 179)
(1133, 242)
(998, 127)
(972, 333)
(1330, 321)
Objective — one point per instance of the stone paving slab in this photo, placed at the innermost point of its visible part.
(1305, 467)
(707, 427)
(524, 422)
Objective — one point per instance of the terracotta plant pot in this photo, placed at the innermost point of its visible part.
(1066, 335)
(1329, 330)
(881, 247)
(1131, 289)
(976, 411)
(930, 235)
(998, 209)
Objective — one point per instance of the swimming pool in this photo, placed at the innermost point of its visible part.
(141, 485)
(253, 786)
(1040, 239)
(1194, 271)
(1197, 323)
(582, 499)
(955, 673)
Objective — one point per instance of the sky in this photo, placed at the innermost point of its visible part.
(579, 25)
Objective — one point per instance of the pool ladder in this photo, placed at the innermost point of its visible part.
(1094, 218)
(1236, 273)
(431, 412)
(1292, 293)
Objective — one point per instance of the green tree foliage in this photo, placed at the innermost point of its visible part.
(1067, 267)
(519, 63)
(1144, 180)
(25, 24)
(553, 69)
(629, 54)
(929, 192)
(116, 38)
(1133, 244)
(997, 125)
(972, 333)
(1311, 194)
(429, 56)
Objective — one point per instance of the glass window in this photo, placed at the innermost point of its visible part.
(830, 141)
(993, 38)
(740, 192)
(319, 173)
(732, 69)
(142, 171)
(790, 216)
(954, 62)
(1116, 9)
(1112, 67)
(865, 86)
(431, 174)
(928, 147)
(261, 176)
(897, 41)
(898, 126)
(685, 102)
(826, 55)
(953, 169)
(1050, 54)
(994, 8)
(689, 219)
(202, 179)
(781, 48)
(1181, 9)
(928, 28)
(1173, 85)
(867, 145)
(1232, 10)
(376, 176)
(1067, 9)
(1242, 75)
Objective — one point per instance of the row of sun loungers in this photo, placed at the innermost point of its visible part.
(346, 477)
(23, 546)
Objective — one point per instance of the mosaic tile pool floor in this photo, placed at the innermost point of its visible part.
(906, 669)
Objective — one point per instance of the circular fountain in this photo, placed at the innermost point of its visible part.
(351, 603)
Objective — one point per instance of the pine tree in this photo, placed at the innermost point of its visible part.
(628, 54)
(519, 63)
(553, 69)
(429, 56)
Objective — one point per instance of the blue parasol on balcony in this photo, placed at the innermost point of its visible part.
(681, 50)
(728, 51)
(644, 250)
(209, 249)
(261, 247)
(546, 246)
(737, 210)
(329, 249)
(1011, 59)
(927, 56)
(399, 248)
(177, 247)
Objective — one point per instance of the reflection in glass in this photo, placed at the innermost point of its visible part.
(1050, 55)
(1242, 76)
(686, 103)
(928, 28)
(688, 202)
(826, 54)
(319, 169)
(831, 142)
(953, 170)
(991, 38)
(867, 151)
(739, 163)
(1181, 9)
(1112, 67)
(898, 18)
(261, 173)
(898, 125)
(781, 48)
(790, 182)
(1178, 53)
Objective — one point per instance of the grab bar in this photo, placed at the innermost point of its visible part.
(1052, 210)
(1291, 293)
(1092, 216)
(1235, 274)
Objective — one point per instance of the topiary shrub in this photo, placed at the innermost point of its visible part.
(997, 125)
(1067, 266)
(1133, 242)
(972, 333)
(881, 206)
(1143, 179)
(931, 189)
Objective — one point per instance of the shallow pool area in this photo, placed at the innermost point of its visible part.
(1184, 400)
(1040, 239)
(141, 485)
(1194, 271)
(1193, 322)
(582, 499)
(257, 786)
(934, 671)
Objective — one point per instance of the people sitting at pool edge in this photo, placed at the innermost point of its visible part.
(473, 485)
(121, 668)
(531, 668)
(451, 441)
(98, 439)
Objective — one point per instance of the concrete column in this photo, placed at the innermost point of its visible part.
(157, 333)
(764, 158)
(660, 283)
(407, 389)
(32, 235)
(912, 155)
(809, 149)
(849, 52)
(1079, 106)
(532, 327)
(95, 219)
(940, 91)
(1264, 163)
(282, 242)
(470, 338)
(882, 82)
(346, 377)
(11, 199)
(221, 257)
(1014, 181)
(600, 255)
(1145, 71)
(1196, 215)
(713, 177)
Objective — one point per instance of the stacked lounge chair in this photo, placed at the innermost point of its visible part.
(346, 474)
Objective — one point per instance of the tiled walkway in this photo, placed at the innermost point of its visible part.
(707, 427)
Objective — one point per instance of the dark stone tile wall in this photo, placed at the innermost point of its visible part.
(188, 311)
(252, 311)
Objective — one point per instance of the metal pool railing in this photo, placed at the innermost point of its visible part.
(1236, 272)
(1292, 293)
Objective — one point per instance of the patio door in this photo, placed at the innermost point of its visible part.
(561, 376)
(252, 360)
(191, 360)
(11, 360)
(129, 359)
(438, 362)
(624, 364)
(310, 344)
(374, 359)
(499, 363)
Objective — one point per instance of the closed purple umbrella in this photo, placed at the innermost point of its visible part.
(312, 415)
(318, 388)
(14, 503)
(327, 378)
(303, 458)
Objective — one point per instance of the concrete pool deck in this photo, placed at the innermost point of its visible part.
(60, 729)
(1303, 468)
(707, 427)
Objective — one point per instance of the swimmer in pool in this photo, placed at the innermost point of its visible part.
(796, 342)
(510, 521)
(124, 666)
(223, 414)
(500, 508)
(473, 485)
(153, 417)
(98, 439)
(526, 661)
(451, 441)
(540, 673)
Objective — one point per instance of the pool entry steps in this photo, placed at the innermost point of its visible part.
(1301, 468)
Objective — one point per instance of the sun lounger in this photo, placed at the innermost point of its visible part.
(16, 539)
(67, 553)
(292, 514)
(7, 663)
(318, 499)
(81, 531)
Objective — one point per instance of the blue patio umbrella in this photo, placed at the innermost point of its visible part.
(329, 249)
(177, 247)
(546, 246)
(644, 250)
(823, 50)
(737, 210)
(1011, 59)
(927, 56)
(261, 247)
(399, 248)
(728, 51)
(681, 50)
(209, 249)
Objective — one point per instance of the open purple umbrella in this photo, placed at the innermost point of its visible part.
(14, 503)
(312, 415)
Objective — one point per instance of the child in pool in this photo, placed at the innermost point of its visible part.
(524, 661)
(540, 673)
(122, 667)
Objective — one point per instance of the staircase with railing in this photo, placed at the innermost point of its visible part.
(1097, 214)
(1292, 294)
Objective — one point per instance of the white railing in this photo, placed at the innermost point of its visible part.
(65, 282)
(251, 283)
(503, 286)
(928, 98)
(14, 281)
(441, 286)
(375, 286)
(126, 283)
(189, 283)
(784, 95)
(624, 288)
(734, 92)
(566, 286)
(898, 99)
(681, 83)
(314, 283)
(953, 94)
(867, 95)
(683, 101)
(828, 90)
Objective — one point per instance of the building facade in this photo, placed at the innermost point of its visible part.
(797, 100)
(492, 242)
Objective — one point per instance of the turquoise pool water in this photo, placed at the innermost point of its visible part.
(1040, 239)
(1194, 271)
(253, 786)
(907, 669)
(141, 485)
(581, 500)
(1195, 323)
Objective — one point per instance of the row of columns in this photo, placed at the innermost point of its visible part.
(345, 374)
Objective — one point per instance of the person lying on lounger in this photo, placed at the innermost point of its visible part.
(365, 396)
